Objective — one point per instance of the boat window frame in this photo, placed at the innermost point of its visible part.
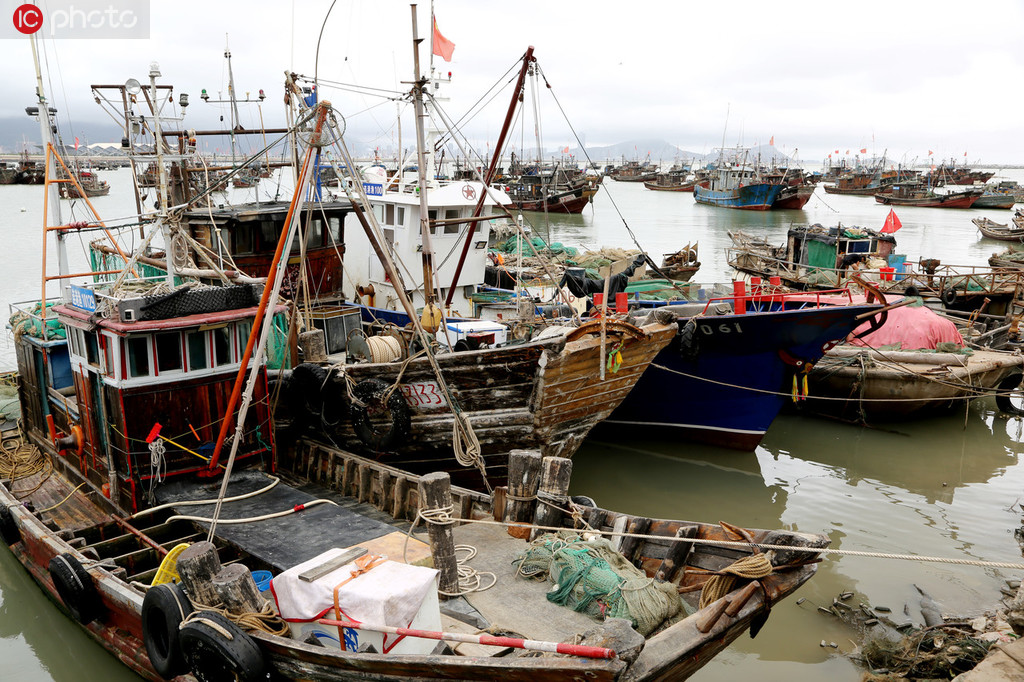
(131, 354)
(204, 353)
(452, 214)
(158, 337)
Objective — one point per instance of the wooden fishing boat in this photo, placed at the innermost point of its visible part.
(671, 182)
(1001, 231)
(917, 195)
(793, 197)
(104, 566)
(682, 265)
(87, 183)
(932, 373)
(994, 200)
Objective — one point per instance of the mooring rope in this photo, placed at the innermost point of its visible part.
(759, 545)
(468, 578)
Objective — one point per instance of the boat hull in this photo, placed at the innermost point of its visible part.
(793, 197)
(731, 390)
(753, 197)
(900, 385)
(938, 201)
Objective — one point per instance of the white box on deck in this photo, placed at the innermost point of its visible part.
(390, 593)
(458, 331)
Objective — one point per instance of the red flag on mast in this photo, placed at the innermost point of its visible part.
(442, 46)
(892, 223)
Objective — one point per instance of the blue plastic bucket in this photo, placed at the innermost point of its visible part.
(262, 580)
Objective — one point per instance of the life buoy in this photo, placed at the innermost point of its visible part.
(948, 296)
(1009, 399)
(371, 392)
(9, 527)
(214, 657)
(75, 587)
(163, 610)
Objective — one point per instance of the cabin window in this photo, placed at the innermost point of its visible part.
(244, 242)
(432, 216)
(378, 210)
(335, 230)
(244, 328)
(389, 214)
(269, 234)
(221, 346)
(168, 352)
(400, 216)
(389, 236)
(92, 349)
(451, 214)
(315, 234)
(108, 354)
(196, 345)
(138, 356)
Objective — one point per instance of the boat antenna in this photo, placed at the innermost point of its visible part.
(46, 131)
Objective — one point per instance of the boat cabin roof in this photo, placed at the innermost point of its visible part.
(275, 210)
(77, 317)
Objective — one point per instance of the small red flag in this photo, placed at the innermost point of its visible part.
(930, 152)
(892, 223)
(847, 151)
(837, 151)
(76, 145)
(771, 142)
(965, 153)
(565, 151)
(864, 151)
(442, 46)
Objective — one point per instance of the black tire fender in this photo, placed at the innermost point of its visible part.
(76, 588)
(1006, 387)
(689, 340)
(163, 610)
(304, 392)
(214, 657)
(948, 296)
(9, 527)
(371, 392)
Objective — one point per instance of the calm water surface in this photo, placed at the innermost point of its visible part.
(943, 487)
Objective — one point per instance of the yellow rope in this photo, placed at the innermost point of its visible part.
(753, 567)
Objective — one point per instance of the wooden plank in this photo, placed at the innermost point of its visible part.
(331, 565)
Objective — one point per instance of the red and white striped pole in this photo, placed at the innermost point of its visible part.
(489, 640)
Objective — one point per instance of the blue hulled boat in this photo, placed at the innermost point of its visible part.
(726, 376)
(737, 187)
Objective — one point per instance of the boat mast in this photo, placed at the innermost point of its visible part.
(154, 73)
(431, 318)
(46, 134)
(234, 102)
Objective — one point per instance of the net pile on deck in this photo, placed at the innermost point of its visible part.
(591, 577)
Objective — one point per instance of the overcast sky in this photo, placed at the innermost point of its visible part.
(906, 77)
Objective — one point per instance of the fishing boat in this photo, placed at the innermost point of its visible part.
(634, 171)
(120, 410)
(915, 364)
(925, 197)
(672, 182)
(738, 186)
(1001, 231)
(87, 183)
(793, 197)
(952, 174)
(682, 265)
(994, 200)
(735, 362)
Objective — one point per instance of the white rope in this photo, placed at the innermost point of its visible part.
(468, 578)
(251, 519)
(759, 545)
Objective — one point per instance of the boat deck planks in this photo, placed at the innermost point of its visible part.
(65, 506)
(536, 617)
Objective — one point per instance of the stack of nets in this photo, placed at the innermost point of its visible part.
(589, 576)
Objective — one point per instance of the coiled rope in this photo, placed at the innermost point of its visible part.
(469, 578)
(753, 567)
(265, 619)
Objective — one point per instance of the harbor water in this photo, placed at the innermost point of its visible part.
(949, 487)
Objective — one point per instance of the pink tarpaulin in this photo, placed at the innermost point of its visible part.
(911, 327)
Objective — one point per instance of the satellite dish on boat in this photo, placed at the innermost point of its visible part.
(132, 86)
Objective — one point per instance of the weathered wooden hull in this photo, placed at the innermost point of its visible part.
(544, 395)
(570, 203)
(994, 201)
(1002, 232)
(83, 526)
(957, 200)
(793, 197)
(858, 384)
(683, 187)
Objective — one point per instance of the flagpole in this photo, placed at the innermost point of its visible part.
(433, 32)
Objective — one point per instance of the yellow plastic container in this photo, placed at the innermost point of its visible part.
(168, 571)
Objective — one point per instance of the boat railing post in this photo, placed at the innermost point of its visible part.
(739, 291)
(523, 483)
(435, 496)
(553, 493)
